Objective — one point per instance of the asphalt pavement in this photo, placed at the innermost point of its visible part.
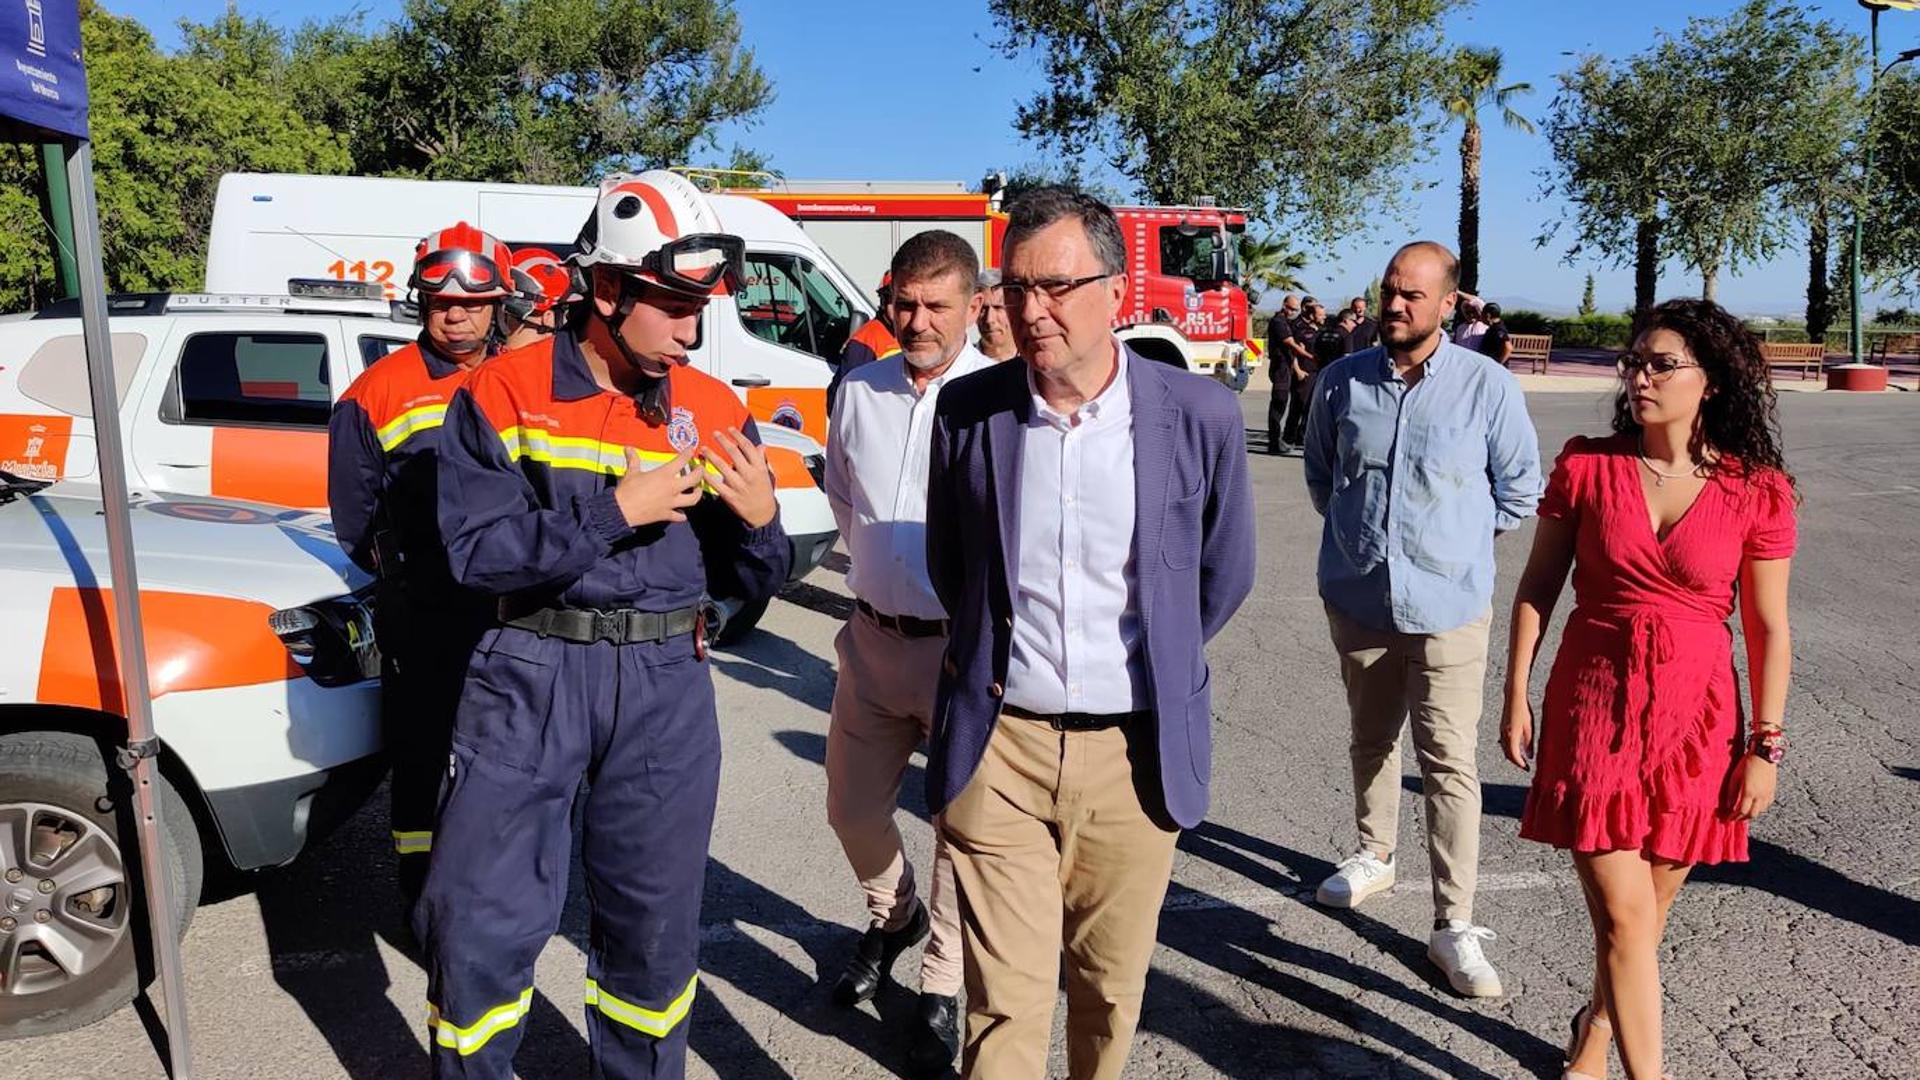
(1803, 963)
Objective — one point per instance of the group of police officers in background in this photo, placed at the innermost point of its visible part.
(1301, 340)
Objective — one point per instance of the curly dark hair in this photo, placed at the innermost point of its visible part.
(1740, 419)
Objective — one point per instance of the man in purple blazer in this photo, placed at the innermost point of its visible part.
(1089, 528)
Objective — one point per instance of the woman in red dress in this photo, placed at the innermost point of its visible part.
(1643, 767)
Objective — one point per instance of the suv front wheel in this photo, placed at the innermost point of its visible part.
(69, 882)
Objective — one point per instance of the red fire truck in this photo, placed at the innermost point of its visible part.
(1184, 306)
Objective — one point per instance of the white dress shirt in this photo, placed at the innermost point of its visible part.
(1076, 624)
(877, 464)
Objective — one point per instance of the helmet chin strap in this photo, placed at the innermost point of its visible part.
(651, 400)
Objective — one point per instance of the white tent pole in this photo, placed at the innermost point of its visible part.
(138, 757)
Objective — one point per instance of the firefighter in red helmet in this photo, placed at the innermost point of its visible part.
(383, 449)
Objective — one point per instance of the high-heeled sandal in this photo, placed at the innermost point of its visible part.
(1583, 1024)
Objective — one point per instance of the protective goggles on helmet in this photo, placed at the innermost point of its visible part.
(697, 263)
(459, 271)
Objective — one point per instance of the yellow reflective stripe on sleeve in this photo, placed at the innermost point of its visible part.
(410, 423)
(576, 452)
(656, 1023)
(412, 843)
(468, 1040)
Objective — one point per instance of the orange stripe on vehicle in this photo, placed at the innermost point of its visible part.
(789, 468)
(35, 446)
(194, 642)
(284, 467)
(802, 408)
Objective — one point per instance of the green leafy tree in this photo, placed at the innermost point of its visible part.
(1307, 113)
(1607, 129)
(1587, 305)
(1701, 147)
(1470, 83)
(1890, 246)
(165, 128)
(546, 91)
(1267, 264)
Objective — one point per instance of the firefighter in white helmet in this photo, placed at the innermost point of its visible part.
(600, 489)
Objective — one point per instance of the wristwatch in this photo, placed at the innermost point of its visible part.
(1768, 746)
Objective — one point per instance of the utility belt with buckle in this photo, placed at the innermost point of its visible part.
(1080, 721)
(905, 625)
(620, 626)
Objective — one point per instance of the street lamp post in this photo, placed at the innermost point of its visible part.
(1874, 8)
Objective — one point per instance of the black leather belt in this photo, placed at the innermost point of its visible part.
(1078, 721)
(584, 626)
(905, 625)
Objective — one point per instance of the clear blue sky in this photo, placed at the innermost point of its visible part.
(914, 90)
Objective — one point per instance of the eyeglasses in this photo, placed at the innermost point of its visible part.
(1658, 368)
(1050, 290)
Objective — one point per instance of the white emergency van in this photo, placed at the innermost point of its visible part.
(775, 343)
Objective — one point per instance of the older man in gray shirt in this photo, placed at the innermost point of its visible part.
(1418, 452)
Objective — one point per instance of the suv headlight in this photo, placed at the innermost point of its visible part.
(331, 639)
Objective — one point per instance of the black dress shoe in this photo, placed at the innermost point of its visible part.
(936, 1035)
(873, 960)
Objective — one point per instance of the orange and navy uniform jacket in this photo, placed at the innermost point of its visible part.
(382, 472)
(873, 341)
(532, 452)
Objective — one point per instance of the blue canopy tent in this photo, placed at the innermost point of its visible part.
(43, 99)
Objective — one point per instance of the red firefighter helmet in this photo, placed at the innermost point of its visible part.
(540, 281)
(461, 261)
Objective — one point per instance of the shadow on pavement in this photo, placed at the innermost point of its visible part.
(771, 662)
(1234, 940)
(737, 910)
(1216, 1031)
(1905, 772)
(818, 600)
(325, 914)
(1774, 869)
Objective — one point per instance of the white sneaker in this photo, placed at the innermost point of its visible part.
(1457, 952)
(1356, 878)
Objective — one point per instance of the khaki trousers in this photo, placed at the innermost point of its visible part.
(1437, 679)
(1055, 852)
(882, 709)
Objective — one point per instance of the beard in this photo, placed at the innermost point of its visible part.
(928, 362)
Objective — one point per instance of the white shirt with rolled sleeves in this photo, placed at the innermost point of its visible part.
(877, 464)
(1076, 617)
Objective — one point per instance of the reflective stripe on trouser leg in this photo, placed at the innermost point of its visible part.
(473, 1037)
(498, 875)
(421, 688)
(645, 827)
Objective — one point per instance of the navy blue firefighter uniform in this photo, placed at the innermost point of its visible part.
(382, 476)
(595, 673)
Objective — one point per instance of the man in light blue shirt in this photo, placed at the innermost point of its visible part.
(1418, 453)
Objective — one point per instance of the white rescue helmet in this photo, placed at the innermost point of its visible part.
(659, 227)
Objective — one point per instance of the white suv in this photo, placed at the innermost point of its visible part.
(266, 701)
(228, 395)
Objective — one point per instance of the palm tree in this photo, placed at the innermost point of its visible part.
(1471, 83)
(1267, 265)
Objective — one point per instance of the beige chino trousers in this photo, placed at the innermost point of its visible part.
(882, 709)
(1055, 853)
(1438, 681)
